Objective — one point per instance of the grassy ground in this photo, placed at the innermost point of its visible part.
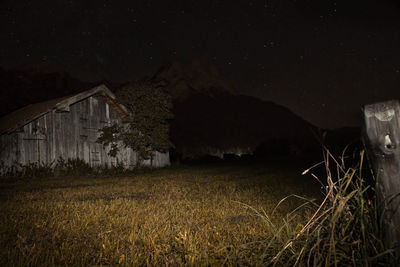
(187, 215)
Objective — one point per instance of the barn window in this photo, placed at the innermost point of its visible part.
(107, 111)
(19, 130)
(90, 106)
(83, 110)
(93, 105)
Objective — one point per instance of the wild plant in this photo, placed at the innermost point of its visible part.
(345, 229)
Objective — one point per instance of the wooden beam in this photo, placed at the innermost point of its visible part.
(381, 134)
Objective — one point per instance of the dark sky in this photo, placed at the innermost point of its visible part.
(321, 58)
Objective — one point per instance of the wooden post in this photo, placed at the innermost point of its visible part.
(381, 134)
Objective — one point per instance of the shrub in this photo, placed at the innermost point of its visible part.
(72, 167)
(147, 127)
(30, 170)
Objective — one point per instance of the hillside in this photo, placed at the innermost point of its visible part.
(212, 119)
(35, 83)
(184, 80)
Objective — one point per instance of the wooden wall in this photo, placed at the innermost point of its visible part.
(70, 134)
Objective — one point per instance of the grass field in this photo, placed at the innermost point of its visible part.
(186, 215)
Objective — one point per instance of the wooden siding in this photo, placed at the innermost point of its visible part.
(70, 134)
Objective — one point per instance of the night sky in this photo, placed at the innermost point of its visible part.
(322, 59)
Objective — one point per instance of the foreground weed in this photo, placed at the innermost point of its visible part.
(344, 230)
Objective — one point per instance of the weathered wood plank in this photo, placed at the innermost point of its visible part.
(382, 137)
(70, 130)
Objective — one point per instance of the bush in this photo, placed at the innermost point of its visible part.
(72, 167)
(31, 170)
(147, 128)
(69, 167)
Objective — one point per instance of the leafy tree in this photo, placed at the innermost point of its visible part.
(147, 126)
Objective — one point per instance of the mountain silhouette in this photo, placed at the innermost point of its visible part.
(212, 119)
(184, 80)
(35, 83)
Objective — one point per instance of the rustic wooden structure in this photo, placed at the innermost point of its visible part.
(67, 128)
(382, 137)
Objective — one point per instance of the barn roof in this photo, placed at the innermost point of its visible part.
(24, 115)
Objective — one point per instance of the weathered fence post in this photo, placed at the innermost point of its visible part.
(381, 133)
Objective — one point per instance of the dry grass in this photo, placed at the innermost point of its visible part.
(345, 229)
(198, 215)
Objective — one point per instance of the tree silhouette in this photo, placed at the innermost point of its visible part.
(147, 127)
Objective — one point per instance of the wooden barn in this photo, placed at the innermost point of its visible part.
(67, 128)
